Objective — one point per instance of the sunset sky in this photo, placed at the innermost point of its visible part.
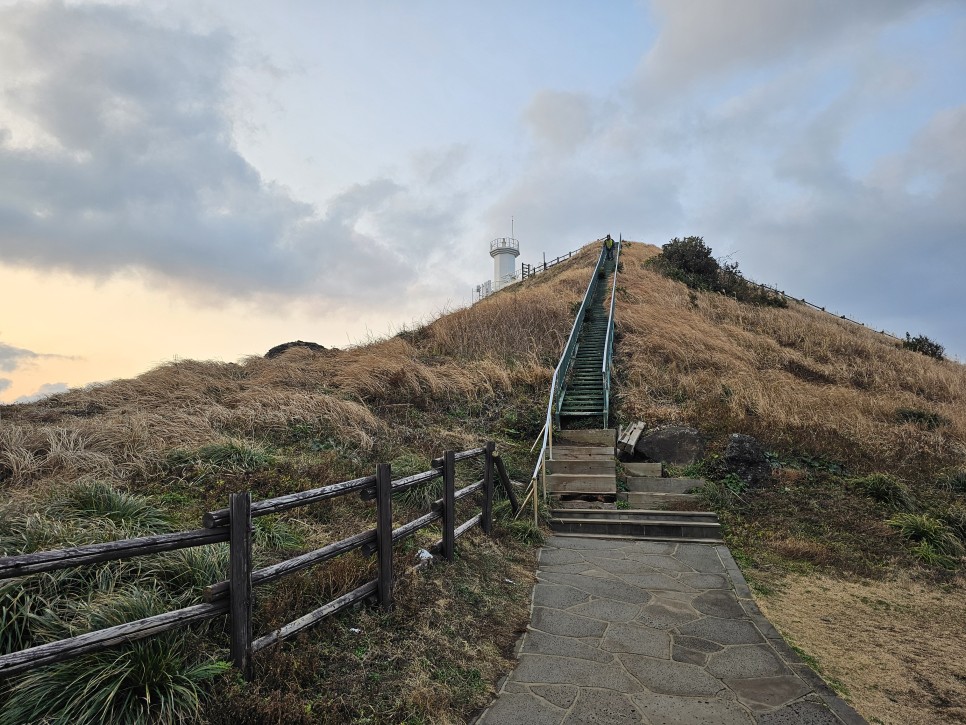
(207, 179)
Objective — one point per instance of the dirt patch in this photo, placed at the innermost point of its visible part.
(895, 646)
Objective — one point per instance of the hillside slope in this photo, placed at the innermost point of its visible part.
(832, 402)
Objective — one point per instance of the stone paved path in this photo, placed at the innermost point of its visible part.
(654, 633)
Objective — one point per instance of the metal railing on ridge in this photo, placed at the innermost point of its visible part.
(557, 388)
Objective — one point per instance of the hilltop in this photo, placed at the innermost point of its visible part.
(859, 431)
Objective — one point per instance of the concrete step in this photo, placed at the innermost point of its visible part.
(581, 483)
(644, 469)
(667, 539)
(611, 526)
(636, 515)
(655, 484)
(648, 500)
(587, 437)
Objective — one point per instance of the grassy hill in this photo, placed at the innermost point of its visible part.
(861, 433)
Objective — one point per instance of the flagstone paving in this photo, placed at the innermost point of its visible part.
(654, 633)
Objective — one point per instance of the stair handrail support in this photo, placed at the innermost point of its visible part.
(559, 375)
(609, 339)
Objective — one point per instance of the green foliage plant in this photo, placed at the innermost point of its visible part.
(689, 261)
(925, 346)
(886, 490)
(934, 542)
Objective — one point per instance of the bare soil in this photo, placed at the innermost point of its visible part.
(895, 646)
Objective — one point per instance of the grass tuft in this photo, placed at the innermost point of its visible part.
(934, 542)
(886, 490)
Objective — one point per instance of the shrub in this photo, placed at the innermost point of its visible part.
(920, 529)
(689, 261)
(955, 480)
(886, 490)
(922, 344)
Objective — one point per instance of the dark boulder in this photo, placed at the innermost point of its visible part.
(745, 458)
(279, 349)
(674, 444)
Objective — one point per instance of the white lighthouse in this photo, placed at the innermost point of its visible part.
(504, 251)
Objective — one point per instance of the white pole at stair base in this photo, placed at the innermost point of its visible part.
(536, 516)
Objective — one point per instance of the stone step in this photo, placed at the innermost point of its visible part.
(654, 484)
(581, 483)
(636, 515)
(610, 526)
(644, 469)
(587, 437)
(594, 467)
(667, 539)
(648, 500)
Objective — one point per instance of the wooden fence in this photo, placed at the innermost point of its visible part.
(234, 525)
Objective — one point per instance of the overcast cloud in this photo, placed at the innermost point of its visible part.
(822, 144)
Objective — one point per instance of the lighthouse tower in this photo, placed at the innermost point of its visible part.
(504, 251)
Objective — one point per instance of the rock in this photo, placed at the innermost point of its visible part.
(674, 444)
(279, 349)
(745, 458)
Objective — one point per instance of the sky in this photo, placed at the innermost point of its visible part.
(208, 179)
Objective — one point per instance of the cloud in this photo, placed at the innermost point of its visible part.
(42, 392)
(704, 41)
(116, 153)
(13, 357)
(5, 383)
(560, 119)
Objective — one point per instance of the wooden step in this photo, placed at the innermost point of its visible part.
(587, 437)
(581, 483)
(595, 467)
(636, 514)
(582, 453)
(644, 469)
(655, 484)
(649, 500)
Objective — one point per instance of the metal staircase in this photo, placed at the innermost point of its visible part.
(583, 393)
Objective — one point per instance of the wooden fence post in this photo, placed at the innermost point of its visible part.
(449, 504)
(486, 522)
(240, 594)
(507, 484)
(384, 533)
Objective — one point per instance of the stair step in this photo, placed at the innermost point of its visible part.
(637, 529)
(587, 437)
(651, 500)
(655, 484)
(583, 467)
(636, 515)
(644, 469)
(565, 452)
(581, 483)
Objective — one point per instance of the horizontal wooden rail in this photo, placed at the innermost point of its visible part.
(404, 484)
(304, 622)
(461, 456)
(234, 525)
(290, 566)
(45, 654)
(22, 564)
(460, 530)
(267, 506)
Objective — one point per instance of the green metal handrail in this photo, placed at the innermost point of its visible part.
(609, 340)
(556, 385)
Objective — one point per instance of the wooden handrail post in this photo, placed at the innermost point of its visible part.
(240, 595)
(449, 504)
(384, 533)
(486, 522)
(507, 483)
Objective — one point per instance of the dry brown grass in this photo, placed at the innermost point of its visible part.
(896, 646)
(797, 378)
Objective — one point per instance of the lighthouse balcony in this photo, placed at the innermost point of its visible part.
(504, 245)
